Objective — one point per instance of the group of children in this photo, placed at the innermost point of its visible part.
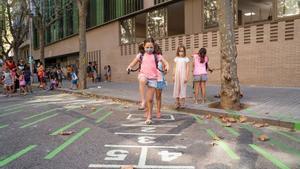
(16, 76)
(153, 68)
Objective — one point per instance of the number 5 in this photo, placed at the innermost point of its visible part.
(116, 155)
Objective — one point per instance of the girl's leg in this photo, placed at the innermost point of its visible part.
(203, 91)
(196, 87)
(182, 103)
(142, 84)
(177, 104)
(149, 101)
(158, 103)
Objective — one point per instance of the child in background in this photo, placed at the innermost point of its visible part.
(180, 77)
(8, 82)
(22, 83)
(74, 80)
(27, 76)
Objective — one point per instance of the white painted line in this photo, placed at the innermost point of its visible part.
(143, 156)
(136, 166)
(137, 146)
(144, 125)
(130, 117)
(147, 134)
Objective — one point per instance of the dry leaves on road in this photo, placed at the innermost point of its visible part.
(260, 125)
(263, 137)
(209, 116)
(66, 133)
(243, 119)
(127, 167)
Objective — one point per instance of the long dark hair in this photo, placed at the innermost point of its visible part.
(149, 40)
(202, 54)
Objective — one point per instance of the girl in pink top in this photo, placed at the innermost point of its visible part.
(200, 74)
(149, 73)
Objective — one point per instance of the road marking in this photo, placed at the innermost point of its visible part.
(137, 146)
(97, 111)
(276, 143)
(147, 134)
(143, 156)
(144, 125)
(146, 166)
(3, 126)
(66, 144)
(13, 157)
(67, 126)
(40, 114)
(130, 117)
(224, 145)
(287, 135)
(37, 121)
(9, 113)
(230, 130)
(268, 156)
(99, 120)
(197, 118)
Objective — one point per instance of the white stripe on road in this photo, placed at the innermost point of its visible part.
(143, 156)
(145, 166)
(147, 134)
(137, 146)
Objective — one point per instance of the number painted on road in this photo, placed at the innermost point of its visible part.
(169, 156)
(146, 140)
(116, 155)
(148, 129)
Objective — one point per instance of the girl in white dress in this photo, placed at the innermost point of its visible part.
(180, 77)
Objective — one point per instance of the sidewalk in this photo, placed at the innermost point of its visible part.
(276, 106)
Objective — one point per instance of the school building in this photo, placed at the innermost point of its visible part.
(267, 35)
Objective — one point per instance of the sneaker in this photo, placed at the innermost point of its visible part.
(148, 122)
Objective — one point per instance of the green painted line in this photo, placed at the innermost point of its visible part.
(287, 135)
(268, 156)
(10, 113)
(297, 125)
(229, 129)
(37, 121)
(66, 144)
(3, 126)
(197, 118)
(67, 126)
(16, 156)
(14, 105)
(103, 117)
(224, 145)
(40, 114)
(276, 143)
(97, 111)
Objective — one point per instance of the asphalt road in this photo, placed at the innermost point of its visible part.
(54, 130)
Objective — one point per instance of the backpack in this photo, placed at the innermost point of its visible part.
(155, 58)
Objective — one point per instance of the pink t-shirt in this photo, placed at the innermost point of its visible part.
(148, 67)
(199, 68)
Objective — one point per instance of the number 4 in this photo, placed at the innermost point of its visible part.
(169, 156)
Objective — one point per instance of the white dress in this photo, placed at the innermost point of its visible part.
(180, 76)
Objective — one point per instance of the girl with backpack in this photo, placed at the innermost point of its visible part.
(149, 73)
(200, 74)
(74, 80)
(180, 77)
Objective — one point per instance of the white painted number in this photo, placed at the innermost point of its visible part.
(116, 155)
(169, 156)
(148, 129)
(146, 140)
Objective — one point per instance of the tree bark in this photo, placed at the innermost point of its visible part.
(82, 7)
(230, 88)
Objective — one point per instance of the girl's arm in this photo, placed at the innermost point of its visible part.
(167, 66)
(133, 63)
(187, 72)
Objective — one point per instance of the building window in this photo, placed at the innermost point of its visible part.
(159, 1)
(157, 23)
(210, 14)
(176, 18)
(251, 11)
(127, 31)
(288, 8)
(140, 27)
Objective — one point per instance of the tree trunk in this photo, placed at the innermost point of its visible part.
(82, 7)
(230, 88)
(16, 53)
(42, 45)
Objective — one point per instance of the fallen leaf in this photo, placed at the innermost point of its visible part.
(66, 133)
(127, 167)
(83, 106)
(231, 120)
(243, 119)
(228, 125)
(224, 120)
(93, 108)
(258, 125)
(266, 125)
(263, 137)
(209, 116)
(213, 143)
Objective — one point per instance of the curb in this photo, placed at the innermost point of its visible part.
(216, 113)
